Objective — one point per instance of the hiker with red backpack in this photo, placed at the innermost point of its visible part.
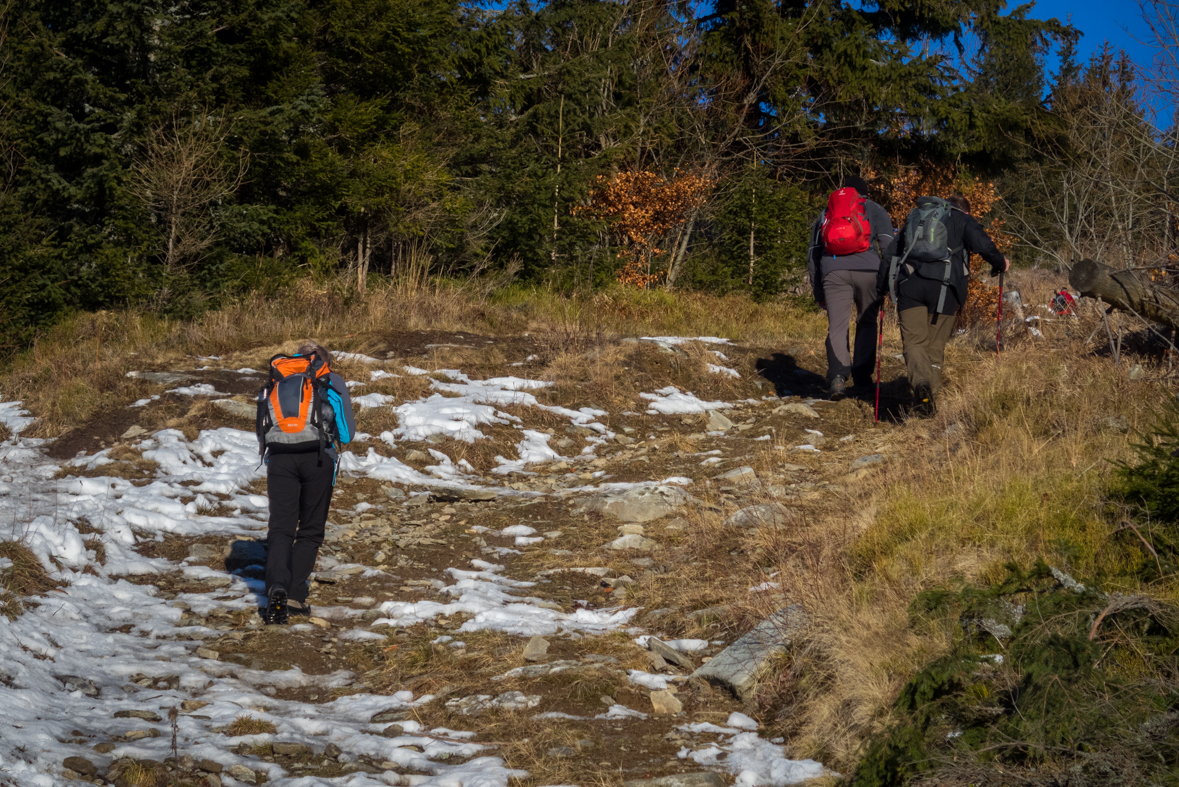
(927, 276)
(303, 411)
(843, 263)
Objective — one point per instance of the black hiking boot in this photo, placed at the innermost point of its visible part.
(923, 404)
(837, 389)
(276, 608)
(298, 609)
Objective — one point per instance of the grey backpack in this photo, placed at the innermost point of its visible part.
(927, 246)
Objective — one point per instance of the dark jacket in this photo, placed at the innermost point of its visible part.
(819, 263)
(923, 287)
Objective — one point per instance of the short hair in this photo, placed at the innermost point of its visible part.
(312, 348)
(857, 183)
(960, 202)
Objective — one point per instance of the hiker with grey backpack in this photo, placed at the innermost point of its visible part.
(926, 276)
(304, 410)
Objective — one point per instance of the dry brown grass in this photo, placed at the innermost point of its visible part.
(25, 577)
(250, 725)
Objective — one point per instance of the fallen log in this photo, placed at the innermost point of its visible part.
(1126, 290)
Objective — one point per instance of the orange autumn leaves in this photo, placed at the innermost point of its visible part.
(643, 210)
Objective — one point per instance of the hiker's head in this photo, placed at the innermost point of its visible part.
(857, 183)
(311, 348)
(959, 202)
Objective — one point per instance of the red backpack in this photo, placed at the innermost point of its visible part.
(845, 225)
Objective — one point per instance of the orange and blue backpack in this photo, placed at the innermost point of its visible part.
(298, 411)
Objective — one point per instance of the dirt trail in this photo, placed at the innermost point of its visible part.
(511, 597)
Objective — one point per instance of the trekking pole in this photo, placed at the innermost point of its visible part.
(879, 358)
(999, 319)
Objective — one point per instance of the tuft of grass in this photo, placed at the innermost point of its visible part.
(25, 577)
(250, 725)
(141, 774)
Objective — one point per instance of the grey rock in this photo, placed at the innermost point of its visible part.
(798, 408)
(146, 715)
(245, 553)
(464, 495)
(702, 779)
(242, 774)
(1137, 372)
(216, 581)
(394, 493)
(204, 551)
(739, 475)
(414, 455)
(536, 649)
(332, 751)
(81, 765)
(771, 515)
(210, 766)
(212, 780)
(478, 703)
(739, 666)
(633, 541)
(385, 716)
(561, 751)
(670, 654)
(867, 461)
(717, 422)
(641, 504)
(632, 530)
(133, 431)
(75, 683)
(665, 702)
(236, 409)
(657, 662)
(622, 439)
(1115, 423)
(162, 378)
(292, 749)
(106, 747)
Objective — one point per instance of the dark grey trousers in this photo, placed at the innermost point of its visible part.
(300, 492)
(845, 291)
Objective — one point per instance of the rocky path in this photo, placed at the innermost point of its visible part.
(542, 619)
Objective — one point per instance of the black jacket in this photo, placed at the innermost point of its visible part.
(913, 290)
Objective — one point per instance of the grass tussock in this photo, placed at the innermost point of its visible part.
(24, 577)
(251, 725)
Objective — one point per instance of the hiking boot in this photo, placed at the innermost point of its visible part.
(837, 389)
(276, 608)
(298, 609)
(923, 404)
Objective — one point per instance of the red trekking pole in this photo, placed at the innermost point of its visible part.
(879, 358)
(999, 319)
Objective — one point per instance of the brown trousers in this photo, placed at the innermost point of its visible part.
(925, 345)
(848, 292)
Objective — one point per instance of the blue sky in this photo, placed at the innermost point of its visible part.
(1116, 21)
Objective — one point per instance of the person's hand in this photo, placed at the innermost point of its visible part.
(1006, 264)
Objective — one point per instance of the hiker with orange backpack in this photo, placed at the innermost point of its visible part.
(843, 263)
(303, 411)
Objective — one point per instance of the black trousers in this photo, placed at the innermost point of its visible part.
(300, 493)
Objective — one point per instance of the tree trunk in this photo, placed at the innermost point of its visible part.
(680, 251)
(1125, 290)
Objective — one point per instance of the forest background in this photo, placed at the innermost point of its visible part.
(169, 156)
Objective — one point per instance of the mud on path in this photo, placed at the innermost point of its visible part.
(472, 620)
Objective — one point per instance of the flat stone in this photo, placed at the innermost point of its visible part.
(772, 515)
(633, 542)
(657, 662)
(701, 779)
(81, 765)
(332, 751)
(138, 735)
(188, 706)
(162, 378)
(631, 530)
(75, 683)
(536, 649)
(867, 461)
(236, 409)
(386, 716)
(717, 422)
(739, 475)
(798, 408)
(205, 551)
(106, 747)
(207, 653)
(414, 455)
(394, 493)
(640, 504)
(464, 495)
(146, 715)
(478, 703)
(210, 766)
(670, 654)
(561, 751)
(216, 580)
(292, 749)
(133, 431)
(739, 666)
(243, 774)
(665, 702)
